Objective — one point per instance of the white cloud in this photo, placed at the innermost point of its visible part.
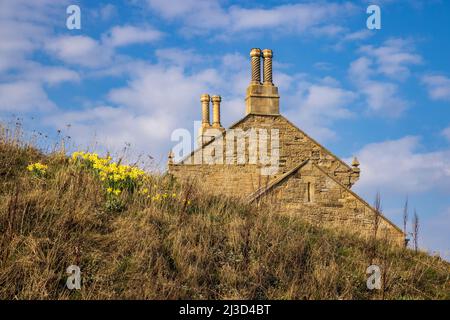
(24, 26)
(112, 127)
(361, 69)
(382, 96)
(180, 8)
(393, 58)
(438, 87)
(398, 166)
(157, 99)
(54, 75)
(446, 133)
(50, 75)
(159, 88)
(107, 11)
(323, 65)
(23, 96)
(206, 16)
(351, 36)
(91, 53)
(317, 105)
(180, 57)
(79, 50)
(358, 35)
(120, 36)
(293, 17)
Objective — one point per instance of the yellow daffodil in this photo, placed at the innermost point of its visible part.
(37, 168)
(115, 176)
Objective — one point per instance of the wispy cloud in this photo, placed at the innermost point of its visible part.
(207, 16)
(92, 53)
(377, 72)
(393, 58)
(24, 26)
(157, 99)
(347, 36)
(438, 87)
(404, 168)
(79, 50)
(317, 105)
(446, 133)
(126, 35)
(21, 96)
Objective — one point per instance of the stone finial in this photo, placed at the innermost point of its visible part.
(170, 157)
(205, 109)
(255, 55)
(216, 111)
(355, 162)
(355, 165)
(267, 54)
(354, 175)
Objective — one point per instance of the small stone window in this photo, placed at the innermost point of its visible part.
(309, 192)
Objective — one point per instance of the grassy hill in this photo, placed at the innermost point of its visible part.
(144, 236)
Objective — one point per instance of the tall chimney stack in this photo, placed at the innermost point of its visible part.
(263, 98)
(207, 131)
(255, 55)
(205, 109)
(267, 54)
(216, 111)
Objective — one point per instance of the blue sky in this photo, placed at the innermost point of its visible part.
(136, 70)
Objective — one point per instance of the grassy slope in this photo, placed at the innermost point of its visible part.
(214, 248)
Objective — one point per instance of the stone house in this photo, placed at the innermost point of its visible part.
(304, 177)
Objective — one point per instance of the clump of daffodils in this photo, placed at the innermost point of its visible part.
(38, 169)
(116, 177)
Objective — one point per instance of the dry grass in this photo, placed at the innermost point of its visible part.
(214, 248)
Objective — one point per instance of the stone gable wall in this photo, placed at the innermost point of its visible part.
(319, 199)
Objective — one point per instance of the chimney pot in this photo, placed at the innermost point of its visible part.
(205, 109)
(216, 111)
(268, 54)
(255, 55)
